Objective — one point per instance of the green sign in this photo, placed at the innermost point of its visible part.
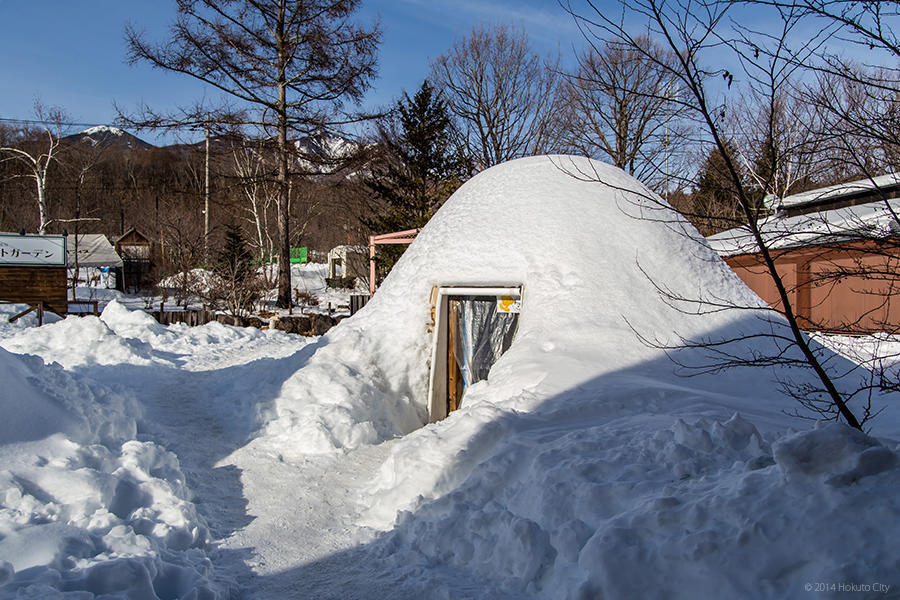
(298, 255)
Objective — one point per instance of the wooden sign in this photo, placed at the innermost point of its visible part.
(32, 250)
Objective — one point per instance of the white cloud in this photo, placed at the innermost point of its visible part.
(549, 22)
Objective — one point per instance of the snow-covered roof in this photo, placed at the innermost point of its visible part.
(345, 249)
(853, 222)
(832, 192)
(94, 250)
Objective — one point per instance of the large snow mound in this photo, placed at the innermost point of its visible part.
(570, 232)
(585, 466)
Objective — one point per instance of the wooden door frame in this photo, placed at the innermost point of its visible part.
(437, 383)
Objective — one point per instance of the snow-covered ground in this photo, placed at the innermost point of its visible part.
(220, 462)
(307, 278)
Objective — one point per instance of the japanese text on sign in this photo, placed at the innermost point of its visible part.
(35, 250)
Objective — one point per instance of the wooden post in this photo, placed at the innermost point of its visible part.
(40, 314)
(803, 304)
(454, 377)
(371, 265)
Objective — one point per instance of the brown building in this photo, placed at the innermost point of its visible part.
(837, 251)
(136, 251)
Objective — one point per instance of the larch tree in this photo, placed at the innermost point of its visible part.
(284, 68)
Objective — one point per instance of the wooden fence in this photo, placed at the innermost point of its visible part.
(191, 317)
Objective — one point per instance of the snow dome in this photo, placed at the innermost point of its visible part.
(579, 246)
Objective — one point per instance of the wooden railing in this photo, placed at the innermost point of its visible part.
(39, 307)
(92, 303)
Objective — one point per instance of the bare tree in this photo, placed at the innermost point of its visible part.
(700, 34)
(185, 249)
(288, 65)
(36, 156)
(260, 198)
(619, 106)
(81, 162)
(781, 145)
(502, 92)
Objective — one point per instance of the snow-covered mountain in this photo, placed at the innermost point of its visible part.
(326, 152)
(327, 145)
(106, 136)
(323, 153)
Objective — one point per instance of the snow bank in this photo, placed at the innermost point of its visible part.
(86, 509)
(79, 341)
(640, 509)
(131, 337)
(111, 522)
(29, 320)
(879, 352)
(38, 400)
(199, 281)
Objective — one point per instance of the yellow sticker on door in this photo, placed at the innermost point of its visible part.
(509, 304)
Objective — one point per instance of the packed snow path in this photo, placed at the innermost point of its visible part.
(280, 530)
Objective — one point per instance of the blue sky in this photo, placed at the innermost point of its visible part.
(72, 53)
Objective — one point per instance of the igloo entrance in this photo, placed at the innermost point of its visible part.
(473, 327)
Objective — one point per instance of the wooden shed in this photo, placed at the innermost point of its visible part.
(840, 267)
(136, 250)
(845, 287)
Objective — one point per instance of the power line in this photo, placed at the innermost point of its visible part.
(66, 123)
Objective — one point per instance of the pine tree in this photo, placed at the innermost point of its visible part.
(715, 202)
(238, 286)
(422, 167)
(235, 259)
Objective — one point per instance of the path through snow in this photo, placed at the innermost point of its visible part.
(281, 530)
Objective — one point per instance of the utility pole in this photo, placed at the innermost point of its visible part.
(206, 198)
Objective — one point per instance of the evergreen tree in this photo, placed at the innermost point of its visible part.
(239, 287)
(422, 167)
(235, 259)
(715, 202)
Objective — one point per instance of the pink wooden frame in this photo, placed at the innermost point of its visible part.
(398, 237)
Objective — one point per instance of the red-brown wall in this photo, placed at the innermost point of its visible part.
(846, 287)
